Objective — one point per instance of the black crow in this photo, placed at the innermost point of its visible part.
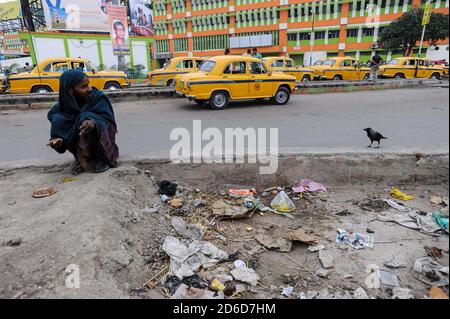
(374, 136)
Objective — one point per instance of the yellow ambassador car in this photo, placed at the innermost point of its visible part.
(341, 68)
(287, 66)
(2, 84)
(408, 67)
(45, 76)
(227, 78)
(176, 66)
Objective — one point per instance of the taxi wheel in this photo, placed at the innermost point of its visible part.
(337, 77)
(171, 83)
(399, 76)
(219, 100)
(112, 87)
(435, 76)
(41, 90)
(281, 97)
(366, 77)
(306, 78)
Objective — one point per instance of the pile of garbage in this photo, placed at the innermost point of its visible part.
(200, 268)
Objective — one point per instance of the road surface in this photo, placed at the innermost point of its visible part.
(412, 119)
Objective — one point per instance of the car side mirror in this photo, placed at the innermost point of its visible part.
(94, 71)
(270, 73)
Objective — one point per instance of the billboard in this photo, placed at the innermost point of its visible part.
(141, 12)
(119, 29)
(79, 15)
(9, 10)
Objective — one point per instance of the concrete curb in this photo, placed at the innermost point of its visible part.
(334, 169)
(45, 101)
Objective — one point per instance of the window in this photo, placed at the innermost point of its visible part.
(305, 36)
(346, 63)
(289, 64)
(410, 63)
(257, 68)
(320, 35)
(48, 67)
(207, 66)
(236, 68)
(330, 62)
(277, 64)
(292, 36)
(333, 34)
(352, 33)
(186, 64)
(393, 62)
(367, 32)
(60, 67)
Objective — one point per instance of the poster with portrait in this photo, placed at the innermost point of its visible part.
(118, 25)
(141, 12)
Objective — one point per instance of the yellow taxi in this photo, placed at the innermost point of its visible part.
(287, 66)
(45, 76)
(409, 67)
(227, 78)
(166, 75)
(2, 84)
(340, 68)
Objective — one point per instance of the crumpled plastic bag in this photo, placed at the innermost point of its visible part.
(441, 220)
(431, 272)
(396, 193)
(282, 203)
(307, 185)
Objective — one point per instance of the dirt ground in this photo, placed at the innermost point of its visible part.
(99, 223)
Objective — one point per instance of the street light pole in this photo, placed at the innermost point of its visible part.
(425, 21)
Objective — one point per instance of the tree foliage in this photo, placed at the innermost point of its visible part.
(405, 32)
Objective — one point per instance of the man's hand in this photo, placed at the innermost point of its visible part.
(87, 127)
(55, 143)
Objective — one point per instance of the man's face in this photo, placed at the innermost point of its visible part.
(120, 31)
(83, 91)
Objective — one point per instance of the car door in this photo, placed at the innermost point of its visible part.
(292, 70)
(348, 71)
(423, 69)
(260, 84)
(235, 76)
(409, 67)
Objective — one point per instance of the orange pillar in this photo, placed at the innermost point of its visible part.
(170, 29)
(343, 29)
(284, 19)
(189, 28)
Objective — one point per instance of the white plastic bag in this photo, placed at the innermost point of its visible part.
(282, 203)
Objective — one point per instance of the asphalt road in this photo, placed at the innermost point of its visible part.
(412, 119)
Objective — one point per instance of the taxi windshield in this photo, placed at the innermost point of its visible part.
(394, 61)
(329, 62)
(207, 66)
(318, 63)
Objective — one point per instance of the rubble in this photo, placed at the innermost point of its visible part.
(246, 275)
(326, 259)
(402, 293)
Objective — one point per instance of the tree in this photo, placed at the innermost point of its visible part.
(405, 32)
